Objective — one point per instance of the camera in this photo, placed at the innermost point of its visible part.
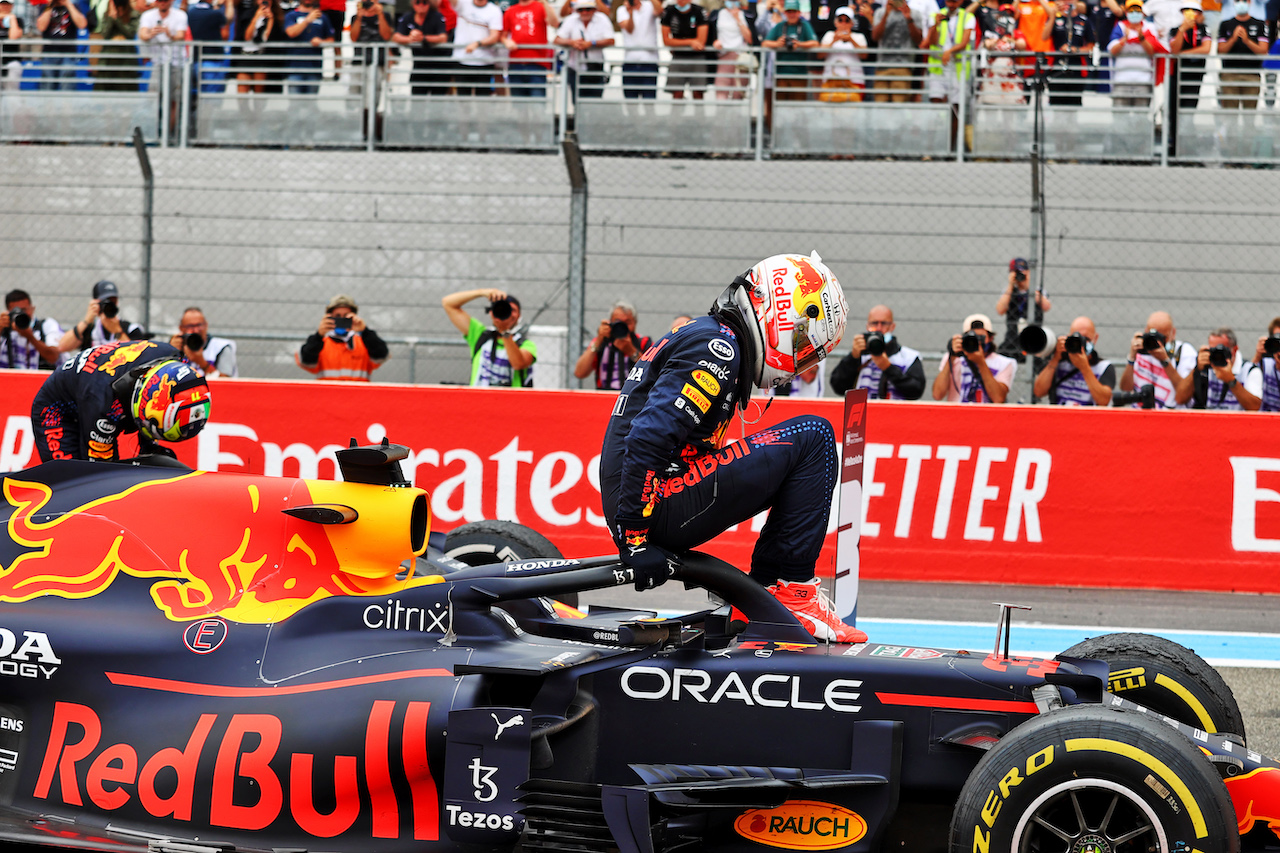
(342, 324)
(500, 309)
(108, 309)
(1219, 355)
(19, 319)
(194, 342)
(1074, 343)
(1151, 339)
(1020, 276)
(618, 330)
(1146, 395)
(790, 43)
(970, 342)
(1271, 346)
(366, 4)
(875, 343)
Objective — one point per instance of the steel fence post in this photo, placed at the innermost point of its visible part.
(577, 253)
(148, 198)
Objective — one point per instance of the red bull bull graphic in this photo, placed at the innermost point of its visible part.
(121, 354)
(245, 561)
(1256, 797)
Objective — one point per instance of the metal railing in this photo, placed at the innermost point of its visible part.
(858, 103)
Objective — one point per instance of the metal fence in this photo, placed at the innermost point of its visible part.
(261, 237)
(742, 104)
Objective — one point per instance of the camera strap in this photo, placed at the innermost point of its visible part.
(1058, 379)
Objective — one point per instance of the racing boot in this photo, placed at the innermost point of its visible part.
(808, 603)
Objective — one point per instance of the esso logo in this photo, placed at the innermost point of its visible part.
(205, 636)
(720, 349)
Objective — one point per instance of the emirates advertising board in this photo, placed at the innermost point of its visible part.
(1006, 494)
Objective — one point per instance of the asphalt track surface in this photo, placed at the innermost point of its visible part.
(1238, 634)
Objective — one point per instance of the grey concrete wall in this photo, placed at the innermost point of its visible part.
(261, 239)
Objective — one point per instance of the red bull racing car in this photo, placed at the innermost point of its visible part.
(204, 663)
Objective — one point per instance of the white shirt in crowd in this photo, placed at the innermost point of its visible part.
(600, 28)
(842, 62)
(642, 41)
(474, 24)
(729, 32)
(161, 47)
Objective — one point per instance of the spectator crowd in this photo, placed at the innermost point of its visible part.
(886, 50)
(1159, 370)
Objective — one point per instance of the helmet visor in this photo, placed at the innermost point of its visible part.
(806, 355)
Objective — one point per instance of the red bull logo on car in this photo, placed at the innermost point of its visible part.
(1256, 797)
(245, 560)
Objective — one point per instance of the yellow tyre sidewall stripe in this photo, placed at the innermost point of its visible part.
(1202, 714)
(1155, 765)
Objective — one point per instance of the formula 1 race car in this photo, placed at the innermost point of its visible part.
(196, 662)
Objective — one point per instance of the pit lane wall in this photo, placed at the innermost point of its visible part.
(1008, 494)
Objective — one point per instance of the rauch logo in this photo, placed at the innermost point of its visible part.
(802, 825)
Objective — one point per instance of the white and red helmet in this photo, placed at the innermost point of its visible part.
(799, 312)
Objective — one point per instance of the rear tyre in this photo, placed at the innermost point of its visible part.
(481, 543)
(1167, 678)
(1091, 778)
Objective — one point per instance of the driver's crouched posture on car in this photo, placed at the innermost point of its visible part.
(85, 405)
(668, 480)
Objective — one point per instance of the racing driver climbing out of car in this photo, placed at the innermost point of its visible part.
(669, 482)
(84, 407)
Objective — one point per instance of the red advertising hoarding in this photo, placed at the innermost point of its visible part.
(1009, 494)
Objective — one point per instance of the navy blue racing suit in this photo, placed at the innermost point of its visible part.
(77, 414)
(665, 458)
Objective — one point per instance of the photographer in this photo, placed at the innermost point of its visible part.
(24, 338)
(972, 371)
(501, 356)
(613, 350)
(1222, 380)
(214, 356)
(1074, 375)
(1267, 358)
(1157, 358)
(342, 348)
(887, 369)
(1014, 305)
(102, 323)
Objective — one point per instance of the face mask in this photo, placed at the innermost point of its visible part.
(1134, 17)
(732, 4)
(1088, 347)
(888, 336)
(684, 8)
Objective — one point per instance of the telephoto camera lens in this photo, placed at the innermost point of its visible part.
(1219, 355)
(875, 343)
(108, 309)
(1271, 346)
(1074, 343)
(501, 310)
(618, 330)
(1151, 339)
(20, 319)
(194, 342)
(969, 342)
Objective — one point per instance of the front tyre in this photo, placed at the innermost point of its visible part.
(1168, 678)
(1089, 779)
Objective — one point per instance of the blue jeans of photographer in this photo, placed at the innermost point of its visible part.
(304, 83)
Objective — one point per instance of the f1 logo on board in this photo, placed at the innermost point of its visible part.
(33, 659)
(205, 636)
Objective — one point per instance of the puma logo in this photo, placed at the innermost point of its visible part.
(517, 720)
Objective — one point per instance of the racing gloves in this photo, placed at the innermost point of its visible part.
(650, 565)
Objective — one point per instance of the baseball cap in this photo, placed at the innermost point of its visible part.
(105, 290)
(846, 11)
(1192, 4)
(342, 301)
(1018, 265)
(791, 6)
(981, 319)
(1129, 4)
(580, 5)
